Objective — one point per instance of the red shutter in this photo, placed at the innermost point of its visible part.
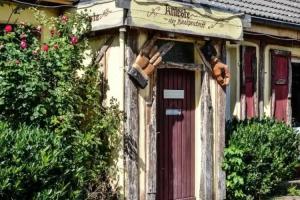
(249, 74)
(280, 83)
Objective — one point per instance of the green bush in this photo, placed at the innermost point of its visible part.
(260, 155)
(38, 164)
(59, 136)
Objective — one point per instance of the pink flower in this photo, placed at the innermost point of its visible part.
(17, 62)
(74, 40)
(8, 28)
(45, 47)
(23, 44)
(64, 18)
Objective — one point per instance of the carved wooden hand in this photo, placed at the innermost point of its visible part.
(221, 73)
(147, 61)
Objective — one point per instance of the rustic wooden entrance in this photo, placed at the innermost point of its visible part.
(176, 134)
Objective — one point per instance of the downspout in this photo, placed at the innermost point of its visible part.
(122, 32)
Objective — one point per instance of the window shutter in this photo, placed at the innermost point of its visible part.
(280, 84)
(248, 81)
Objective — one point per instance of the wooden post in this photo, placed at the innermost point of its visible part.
(219, 136)
(242, 83)
(261, 78)
(131, 134)
(206, 118)
(272, 88)
(219, 143)
(289, 102)
(256, 85)
(151, 150)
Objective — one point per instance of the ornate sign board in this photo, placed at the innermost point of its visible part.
(175, 17)
(103, 14)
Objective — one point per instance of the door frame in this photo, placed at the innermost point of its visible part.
(147, 123)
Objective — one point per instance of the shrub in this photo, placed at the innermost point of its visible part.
(38, 164)
(260, 155)
(59, 138)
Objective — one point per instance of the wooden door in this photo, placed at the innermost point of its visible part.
(249, 79)
(176, 129)
(280, 84)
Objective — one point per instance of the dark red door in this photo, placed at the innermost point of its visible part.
(280, 83)
(175, 144)
(249, 80)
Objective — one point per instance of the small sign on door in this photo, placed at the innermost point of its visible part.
(173, 94)
(170, 111)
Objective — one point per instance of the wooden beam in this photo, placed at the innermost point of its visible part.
(131, 134)
(256, 90)
(219, 135)
(103, 49)
(212, 184)
(206, 120)
(289, 102)
(186, 66)
(206, 63)
(63, 2)
(151, 149)
(242, 83)
(261, 79)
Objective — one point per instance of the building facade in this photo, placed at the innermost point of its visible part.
(174, 133)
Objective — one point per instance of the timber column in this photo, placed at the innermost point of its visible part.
(131, 134)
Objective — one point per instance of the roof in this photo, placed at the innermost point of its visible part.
(287, 11)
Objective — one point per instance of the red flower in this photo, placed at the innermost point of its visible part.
(23, 44)
(74, 40)
(8, 28)
(45, 47)
(56, 46)
(64, 18)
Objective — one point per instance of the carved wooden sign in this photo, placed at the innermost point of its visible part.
(103, 15)
(176, 17)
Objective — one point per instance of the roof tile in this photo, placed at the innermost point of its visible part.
(283, 10)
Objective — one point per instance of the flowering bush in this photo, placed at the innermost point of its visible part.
(39, 87)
